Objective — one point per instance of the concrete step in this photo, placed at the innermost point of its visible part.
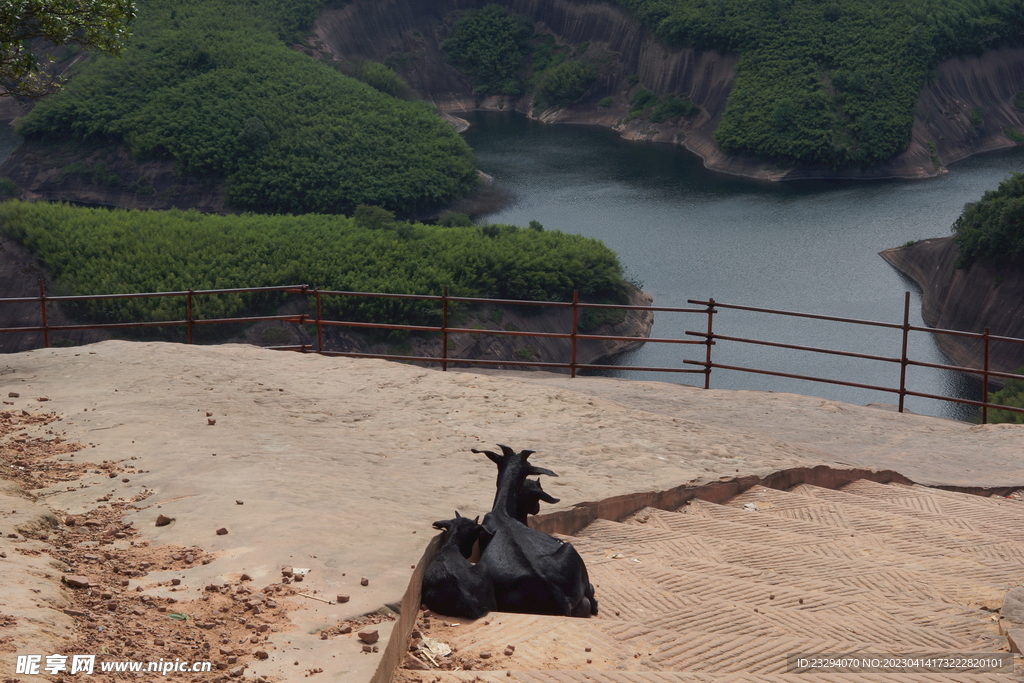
(796, 567)
(545, 642)
(727, 593)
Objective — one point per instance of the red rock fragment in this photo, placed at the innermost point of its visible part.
(222, 531)
(369, 635)
(76, 580)
(162, 520)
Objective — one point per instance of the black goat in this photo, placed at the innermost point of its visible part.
(531, 572)
(528, 500)
(451, 584)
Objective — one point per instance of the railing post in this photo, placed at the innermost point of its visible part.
(444, 329)
(319, 322)
(188, 315)
(708, 343)
(984, 382)
(42, 309)
(575, 331)
(903, 354)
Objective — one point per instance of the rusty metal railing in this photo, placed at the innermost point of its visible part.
(708, 339)
(903, 360)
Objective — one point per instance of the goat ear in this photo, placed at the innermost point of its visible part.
(540, 470)
(443, 525)
(495, 458)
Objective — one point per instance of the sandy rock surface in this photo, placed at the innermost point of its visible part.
(340, 466)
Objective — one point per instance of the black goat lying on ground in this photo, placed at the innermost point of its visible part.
(451, 584)
(530, 571)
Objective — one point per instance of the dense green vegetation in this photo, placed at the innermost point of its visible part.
(1012, 394)
(91, 251)
(829, 82)
(502, 55)
(211, 85)
(992, 229)
(564, 84)
(489, 45)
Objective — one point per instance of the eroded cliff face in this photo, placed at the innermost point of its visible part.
(108, 176)
(969, 300)
(964, 110)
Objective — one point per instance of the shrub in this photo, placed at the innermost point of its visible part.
(1012, 394)
(382, 78)
(564, 84)
(373, 217)
(489, 45)
(8, 189)
(606, 102)
(642, 99)
(672, 106)
(992, 229)
(454, 219)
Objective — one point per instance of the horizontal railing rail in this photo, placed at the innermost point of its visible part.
(708, 309)
(985, 371)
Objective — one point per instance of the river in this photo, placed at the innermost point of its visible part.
(687, 233)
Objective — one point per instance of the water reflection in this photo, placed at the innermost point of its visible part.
(687, 233)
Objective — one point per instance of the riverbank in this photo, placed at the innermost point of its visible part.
(982, 296)
(966, 109)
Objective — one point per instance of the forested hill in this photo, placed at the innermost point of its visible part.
(213, 86)
(827, 81)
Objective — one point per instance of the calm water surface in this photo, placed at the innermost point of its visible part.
(687, 233)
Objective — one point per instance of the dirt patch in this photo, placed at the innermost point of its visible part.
(121, 617)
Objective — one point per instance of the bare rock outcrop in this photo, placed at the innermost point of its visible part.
(969, 300)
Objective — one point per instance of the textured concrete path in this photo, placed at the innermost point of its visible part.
(729, 593)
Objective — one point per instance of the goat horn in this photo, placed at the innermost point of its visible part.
(495, 458)
(506, 450)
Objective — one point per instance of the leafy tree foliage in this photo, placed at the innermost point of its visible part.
(382, 77)
(830, 83)
(93, 24)
(992, 229)
(564, 84)
(92, 251)
(1012, 394)
(210, 84)
(489, 45)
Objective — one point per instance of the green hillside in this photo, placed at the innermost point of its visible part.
(101, 251)
(212, 85)
(824, 81)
